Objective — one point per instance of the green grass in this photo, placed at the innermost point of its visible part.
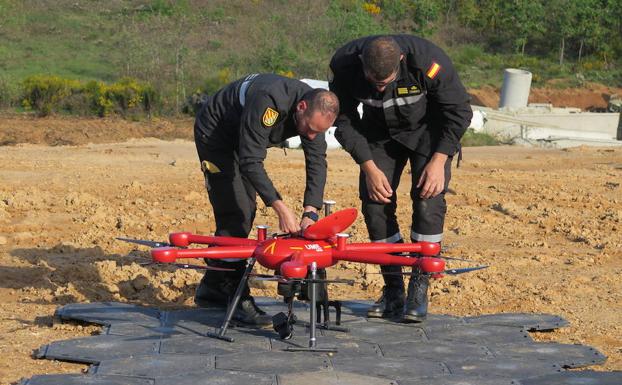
(159, 41)
(474, 139)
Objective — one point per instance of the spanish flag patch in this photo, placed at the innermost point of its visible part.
(269, 117)
(433, 70)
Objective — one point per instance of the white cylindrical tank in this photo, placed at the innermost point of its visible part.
(515, 89)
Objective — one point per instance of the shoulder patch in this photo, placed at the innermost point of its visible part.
(433, 70)
(269, 117)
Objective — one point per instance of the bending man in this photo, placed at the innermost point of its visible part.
(414, 110)
(232, 132)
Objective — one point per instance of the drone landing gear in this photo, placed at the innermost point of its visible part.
(283, 324)
(220, 334)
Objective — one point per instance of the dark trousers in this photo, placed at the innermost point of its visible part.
(233, 200)
(428, 215)
(232, 196)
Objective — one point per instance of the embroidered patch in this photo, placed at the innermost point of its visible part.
(408, 90)
(433, 70)
(269, 117)
(207, 166)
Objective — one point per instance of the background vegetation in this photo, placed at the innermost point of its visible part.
(171, 49)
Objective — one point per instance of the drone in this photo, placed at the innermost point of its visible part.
(299, 262)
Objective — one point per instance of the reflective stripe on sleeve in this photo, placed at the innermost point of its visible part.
(244, 87)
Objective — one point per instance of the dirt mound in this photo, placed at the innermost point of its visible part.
(592, 97)
(59, 130)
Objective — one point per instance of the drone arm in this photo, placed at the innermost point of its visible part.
(425, 248)
(185, 238)
(170, 254)
(375, 258)
(426, 264)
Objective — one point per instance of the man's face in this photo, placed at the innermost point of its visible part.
(310, 125)
(381, 84)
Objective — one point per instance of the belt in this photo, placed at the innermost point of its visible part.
(247, 82)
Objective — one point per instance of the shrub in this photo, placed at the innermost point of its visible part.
(45, 94)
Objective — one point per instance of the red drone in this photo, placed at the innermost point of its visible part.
(297, 258)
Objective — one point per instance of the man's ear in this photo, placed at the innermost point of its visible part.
(401, 56)
(302, 106)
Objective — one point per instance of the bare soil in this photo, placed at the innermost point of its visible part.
(592, 97)
(548, 222)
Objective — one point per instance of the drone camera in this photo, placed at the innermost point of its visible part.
(281, 325)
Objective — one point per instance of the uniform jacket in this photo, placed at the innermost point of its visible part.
(252, 114)
(426, 109)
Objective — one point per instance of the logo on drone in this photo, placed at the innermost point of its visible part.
(314, 246)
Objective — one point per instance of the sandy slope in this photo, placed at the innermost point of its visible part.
(548, 222)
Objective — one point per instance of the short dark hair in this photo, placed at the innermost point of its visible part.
(381, 57)
(321, 100)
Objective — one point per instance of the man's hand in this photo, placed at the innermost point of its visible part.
(288, 223)
(378, 185)
(432, 180)
(306, 222)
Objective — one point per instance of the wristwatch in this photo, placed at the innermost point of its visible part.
(311, 215)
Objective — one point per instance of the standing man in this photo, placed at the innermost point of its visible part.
(232, 132)
(415, 109)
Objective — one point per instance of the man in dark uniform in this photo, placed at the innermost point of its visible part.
(232, 132)
(415, 110)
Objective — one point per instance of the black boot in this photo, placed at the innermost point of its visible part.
(210, 293)
(391, 303)
(249, 313)
(416, 308)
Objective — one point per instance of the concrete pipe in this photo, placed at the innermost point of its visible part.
(515, 90)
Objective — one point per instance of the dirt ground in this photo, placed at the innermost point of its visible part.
(548, 222)
(592, 97)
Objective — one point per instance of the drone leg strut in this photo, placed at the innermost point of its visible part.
(233, 304)
(326, 325)
(312, 320)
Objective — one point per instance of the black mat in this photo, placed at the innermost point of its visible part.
(146, 346)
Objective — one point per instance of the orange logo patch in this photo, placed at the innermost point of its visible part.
(433, 70)
(269, 117)
(270, 248)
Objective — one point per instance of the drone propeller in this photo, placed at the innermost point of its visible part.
(415, 255)
(152, 244)
(185, 266)
(448, 271)
(464, 270)
(349, 282)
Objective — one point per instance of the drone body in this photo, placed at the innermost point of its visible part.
(291, 256)
(297, 260)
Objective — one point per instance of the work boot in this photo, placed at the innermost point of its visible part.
(391, 303)
(209, 293)
(416, 308)
(249, 313)
(222, 290)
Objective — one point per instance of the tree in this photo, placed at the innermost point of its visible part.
(561, 24)
(523, 20)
